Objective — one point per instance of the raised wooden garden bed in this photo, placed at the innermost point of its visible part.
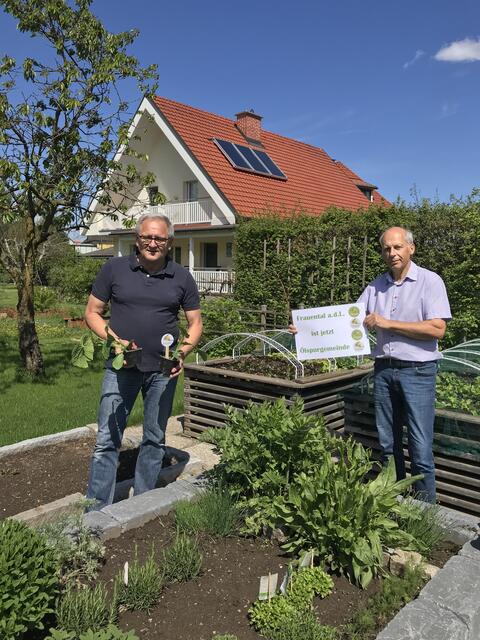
(456, 448)
(208, 388)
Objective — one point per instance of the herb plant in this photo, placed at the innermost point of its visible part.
(182, 560)
(263, 449)
(144, 585)
(333, 510)
(215, 512)
(85, 609)
(28, 579)
(111, 632)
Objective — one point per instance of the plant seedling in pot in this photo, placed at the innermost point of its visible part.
(172, 356)
(126, 355)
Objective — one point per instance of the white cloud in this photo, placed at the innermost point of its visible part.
(467, 50)
(448, 109)
(418, 54)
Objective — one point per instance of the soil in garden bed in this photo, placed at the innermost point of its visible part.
(218, 600)
(44, 474)
(278, 367)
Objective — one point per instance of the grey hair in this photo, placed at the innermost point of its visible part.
(408, 235)
(155, 216)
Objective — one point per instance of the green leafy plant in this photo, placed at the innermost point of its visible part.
(215, 512)
(84, 352)
(458, 393)
(333, 510)
(85, 609)
(112, 632)
(303, 626)
(262, 450)
(182, 560)
(144, 585)
(28, 579)
(274, 616)
(424, 524)
(45, 298)
(78, 552)
(394, 593)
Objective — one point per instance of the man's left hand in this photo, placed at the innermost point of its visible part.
(176, 371)
(375, 320)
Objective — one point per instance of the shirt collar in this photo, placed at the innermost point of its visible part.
(166, 270)
(412, 273)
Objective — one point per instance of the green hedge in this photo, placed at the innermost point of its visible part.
(297, 268)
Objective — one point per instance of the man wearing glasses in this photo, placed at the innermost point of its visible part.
(146, 292)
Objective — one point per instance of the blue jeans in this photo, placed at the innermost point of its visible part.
(406, 397)
(119, 392)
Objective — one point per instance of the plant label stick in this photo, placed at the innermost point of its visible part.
(263, 590)
(125, 574)
(307, 559)
(272, 584)
(167, 341)
(286, 580)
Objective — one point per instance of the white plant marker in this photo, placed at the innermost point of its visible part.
(131, 492)
(125, 574)
(167, 341)
(286, 580)
(307, 559)
(263, 590)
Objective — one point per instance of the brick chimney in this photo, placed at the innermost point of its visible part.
(250, 124)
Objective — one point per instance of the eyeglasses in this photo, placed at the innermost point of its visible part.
(146, 240)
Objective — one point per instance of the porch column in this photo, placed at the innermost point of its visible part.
(191, 257)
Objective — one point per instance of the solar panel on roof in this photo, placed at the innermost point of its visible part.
(248, 159)
(270, 164)
(232, 154)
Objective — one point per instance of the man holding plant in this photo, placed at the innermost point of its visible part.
(407, 307)
(145, 291)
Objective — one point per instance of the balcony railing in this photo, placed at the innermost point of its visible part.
(197, 212)
(214, 281)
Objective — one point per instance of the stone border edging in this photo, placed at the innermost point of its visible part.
(112, 521)
(44, 441)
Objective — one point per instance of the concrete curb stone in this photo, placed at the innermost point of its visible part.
(44, 441)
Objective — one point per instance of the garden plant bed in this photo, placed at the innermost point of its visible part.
(216, 383)
(33, 478)
(218, 600)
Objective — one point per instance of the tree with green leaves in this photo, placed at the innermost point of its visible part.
(61, 121)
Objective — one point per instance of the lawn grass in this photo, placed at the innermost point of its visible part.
(8, 295)
(65, 399)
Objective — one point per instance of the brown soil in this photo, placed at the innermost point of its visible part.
(217, 601)
(42, 475)
(278, 367)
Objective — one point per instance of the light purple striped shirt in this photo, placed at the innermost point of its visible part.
(420, 296)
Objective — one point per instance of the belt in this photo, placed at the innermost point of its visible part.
(401, 364)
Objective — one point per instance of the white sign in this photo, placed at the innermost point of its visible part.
(330, 332)
(167, 340)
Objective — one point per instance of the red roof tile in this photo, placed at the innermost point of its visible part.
(314, 181)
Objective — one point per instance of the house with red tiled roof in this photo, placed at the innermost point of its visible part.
(213, 170)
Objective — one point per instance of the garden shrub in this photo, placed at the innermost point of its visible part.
(182, 560)
(215, 512)
(345, 519)
(44, 298)
(145, 584)
(85, 609)
(28, 580)
(112, 632)
(73, 279)
(263, 449)
(221, 316)
(77, 550)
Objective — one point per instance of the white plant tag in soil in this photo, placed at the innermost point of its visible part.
(167, 341)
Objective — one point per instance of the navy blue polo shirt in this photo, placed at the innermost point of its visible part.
(145, 306)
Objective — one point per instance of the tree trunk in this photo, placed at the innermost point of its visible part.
(29, 346)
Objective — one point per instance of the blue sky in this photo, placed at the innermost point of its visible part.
(390, 88)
